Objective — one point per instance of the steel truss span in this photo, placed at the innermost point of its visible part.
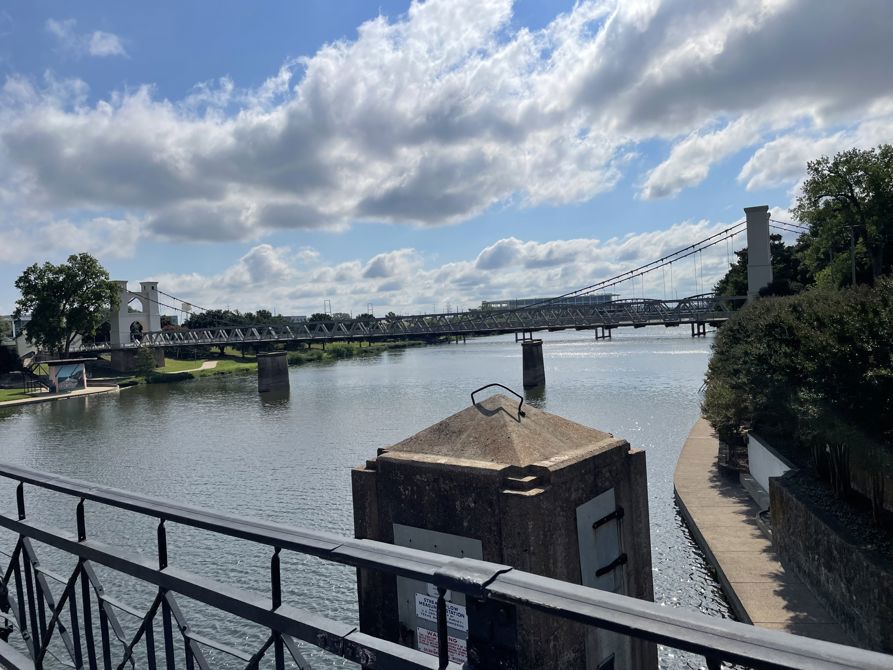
(705, 308)
(42, 607)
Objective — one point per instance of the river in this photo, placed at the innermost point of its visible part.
(215, 443)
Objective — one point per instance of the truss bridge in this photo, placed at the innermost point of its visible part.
(637, 313)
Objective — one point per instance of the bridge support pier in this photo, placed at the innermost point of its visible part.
(532, 357)
(272, 371)
(699, 329)
(605, 333)
(124, 360)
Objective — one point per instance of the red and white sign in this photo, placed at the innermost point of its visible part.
(426, 641)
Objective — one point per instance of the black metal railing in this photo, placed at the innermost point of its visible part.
(41, 614)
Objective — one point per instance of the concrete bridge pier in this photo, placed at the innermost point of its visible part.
(272, 371)
(532, 357)
(124, 360)
(699, 329)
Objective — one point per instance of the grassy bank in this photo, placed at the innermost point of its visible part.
(234, 362)
(12, 394)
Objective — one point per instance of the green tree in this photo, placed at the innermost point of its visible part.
(319, 316)
(65, 301)
(145, 362)
(849, 198)
(790, 274)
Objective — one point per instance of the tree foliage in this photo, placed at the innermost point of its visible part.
(806, 366)
(849, 194)
(65, 301)
(790, 274)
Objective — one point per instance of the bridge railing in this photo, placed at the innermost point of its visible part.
(77, 609)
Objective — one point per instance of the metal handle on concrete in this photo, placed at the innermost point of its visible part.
(518, 395)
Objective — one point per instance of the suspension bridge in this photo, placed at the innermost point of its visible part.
(566, 311)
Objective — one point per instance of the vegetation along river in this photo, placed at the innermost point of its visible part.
(215, 443)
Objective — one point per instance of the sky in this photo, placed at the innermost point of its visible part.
(417, 156)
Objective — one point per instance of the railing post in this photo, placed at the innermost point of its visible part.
(20, 500)
(85, 591)
(443, 644)
(165, 606)
(276, 588)
(82, 525)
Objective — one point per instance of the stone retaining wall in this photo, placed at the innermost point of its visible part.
(852, 580)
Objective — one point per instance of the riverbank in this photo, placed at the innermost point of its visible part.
(721, 516)
(46, 396)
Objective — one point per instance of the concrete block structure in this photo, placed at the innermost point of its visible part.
(272, 372)
(532, 361)
(533, 491)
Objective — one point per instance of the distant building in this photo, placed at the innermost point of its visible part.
(521, 303)
(300, 318)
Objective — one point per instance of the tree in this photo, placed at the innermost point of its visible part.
(789, 273)
(65, 301)
(849, 199)
(319, 317)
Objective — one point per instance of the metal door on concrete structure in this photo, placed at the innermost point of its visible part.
(601, 566)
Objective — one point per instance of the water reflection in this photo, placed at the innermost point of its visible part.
(275, 398)
(536, 396)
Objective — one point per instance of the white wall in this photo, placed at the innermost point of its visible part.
(763, 461)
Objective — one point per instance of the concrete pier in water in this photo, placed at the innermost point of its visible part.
(534, 370)
(272, 371)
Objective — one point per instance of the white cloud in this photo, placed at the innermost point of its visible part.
(782, 161)
(432, 117)
(690, 160)
(104, 237)
(98, 43)
(105, 44)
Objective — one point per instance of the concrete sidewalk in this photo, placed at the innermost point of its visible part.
(721, 516)
(47, 396)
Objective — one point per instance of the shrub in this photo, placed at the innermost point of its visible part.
(815, 367)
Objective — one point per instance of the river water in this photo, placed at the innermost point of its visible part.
(215, 443)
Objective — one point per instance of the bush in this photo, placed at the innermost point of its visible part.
(815, 368)
(144, 365)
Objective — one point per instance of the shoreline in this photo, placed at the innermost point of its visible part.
(51, 397)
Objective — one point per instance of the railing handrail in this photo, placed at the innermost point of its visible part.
(694, 632)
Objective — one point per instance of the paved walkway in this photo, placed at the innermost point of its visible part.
(721, 516)
(206, 365)
(47, 396)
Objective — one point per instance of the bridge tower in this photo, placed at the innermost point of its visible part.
(147, 316)
(759, 255)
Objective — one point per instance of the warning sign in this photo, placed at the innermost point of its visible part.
(426, 641)
(426, 608)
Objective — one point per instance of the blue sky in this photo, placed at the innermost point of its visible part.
(412, 156)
